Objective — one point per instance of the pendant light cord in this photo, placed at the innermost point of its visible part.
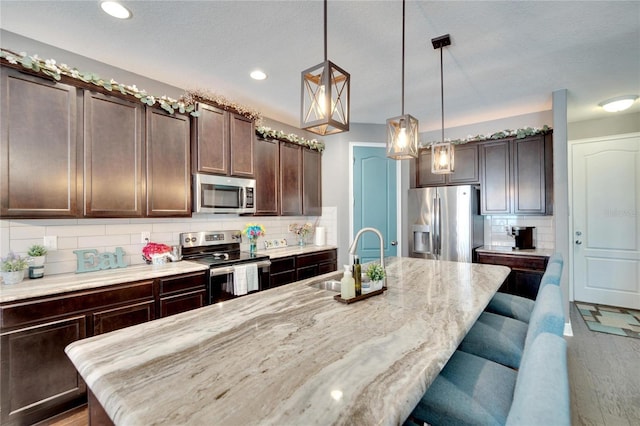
(403, 5)
(442, 94)
(325, 30)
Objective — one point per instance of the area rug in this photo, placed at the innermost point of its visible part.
(610, 319)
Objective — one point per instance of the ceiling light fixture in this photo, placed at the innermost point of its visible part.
(618, 104)
(442, 152)
(402, 131)
(115, 9)
(325, 95)
(258, 75)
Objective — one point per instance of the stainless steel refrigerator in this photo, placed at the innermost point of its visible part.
(444, 223)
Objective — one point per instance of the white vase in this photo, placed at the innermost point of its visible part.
(13, 277)
(376, 285)
(37, 260)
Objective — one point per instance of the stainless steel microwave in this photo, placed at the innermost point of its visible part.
(223, 194)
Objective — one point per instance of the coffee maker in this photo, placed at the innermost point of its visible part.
(525, 237)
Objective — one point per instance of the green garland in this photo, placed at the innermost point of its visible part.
(268, 133)
(507, 133)
(54, 70)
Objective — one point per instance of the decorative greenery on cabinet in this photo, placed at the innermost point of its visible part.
(185, 105)
(502, 134)
(269, 133)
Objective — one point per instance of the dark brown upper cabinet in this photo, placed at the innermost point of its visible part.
(267, 165)
(168, 178)
(113, 172)
(495, 177)
(222, 143)
(39, 147)
(516, 176)
(311, 182)
(466, 168)
(290, 179)
(241, 145)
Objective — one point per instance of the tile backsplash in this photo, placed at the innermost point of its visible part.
(496, 234)
(107, 234)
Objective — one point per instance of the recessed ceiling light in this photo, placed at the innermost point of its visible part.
(618, 104)
(258, 75)
(115, 9)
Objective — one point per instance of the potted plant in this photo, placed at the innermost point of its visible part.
(12, 268)
(38, 254)
(375, 273)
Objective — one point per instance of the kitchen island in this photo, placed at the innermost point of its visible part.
(293, 354)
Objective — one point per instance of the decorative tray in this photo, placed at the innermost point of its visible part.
(359, 298)
(274, 244)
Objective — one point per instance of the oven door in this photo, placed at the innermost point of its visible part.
(221, 281)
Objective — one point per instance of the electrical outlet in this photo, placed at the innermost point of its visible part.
(50, 242)
(145, 237)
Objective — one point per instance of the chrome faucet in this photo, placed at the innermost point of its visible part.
(354, 245)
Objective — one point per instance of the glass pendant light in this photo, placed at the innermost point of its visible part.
(325, 95)
(402, 131)
(442, 153)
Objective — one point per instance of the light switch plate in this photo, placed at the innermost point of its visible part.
(51, 242)
(145, 237)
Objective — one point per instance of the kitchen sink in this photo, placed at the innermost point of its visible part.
(331, 285)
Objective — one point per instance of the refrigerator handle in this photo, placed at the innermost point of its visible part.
(439, 226)
(434, 227)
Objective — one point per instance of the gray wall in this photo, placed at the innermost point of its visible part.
(18, 43)
(617, 124)
(335, 175)
(536, 119)
(561, 190)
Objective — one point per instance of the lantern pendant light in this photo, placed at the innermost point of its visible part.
(402, 131)
(325, 95)
(442, 155)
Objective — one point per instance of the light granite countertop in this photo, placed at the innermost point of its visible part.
(509, 250)
(293, 354)
(293, 250)
(63, 283)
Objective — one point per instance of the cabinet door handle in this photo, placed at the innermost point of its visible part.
(578, 242)
(394, 243)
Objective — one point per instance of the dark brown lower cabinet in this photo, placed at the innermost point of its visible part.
(312, 264)
(114, 319)
(182, 293)
(283, 271)
(37, 378)
(97, 415)
(288, 269)
(526, 272)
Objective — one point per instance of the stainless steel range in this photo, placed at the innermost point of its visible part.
(232, 273)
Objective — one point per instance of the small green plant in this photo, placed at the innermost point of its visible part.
(37, 250)
(14, 262)
(375, 272)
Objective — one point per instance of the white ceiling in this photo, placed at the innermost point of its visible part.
(506, 58)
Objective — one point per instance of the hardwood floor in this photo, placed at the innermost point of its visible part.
(604, 377)
(76, 417)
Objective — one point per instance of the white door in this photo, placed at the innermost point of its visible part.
(606, 220)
